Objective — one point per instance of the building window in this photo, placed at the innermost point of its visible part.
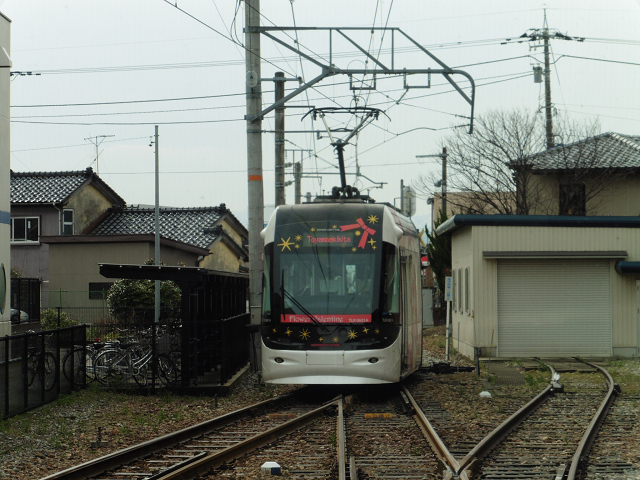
(453, 291)
(67, 221)
(460, 304)
(466, 290)
(573, 199)
(98, 290)
(25, 229)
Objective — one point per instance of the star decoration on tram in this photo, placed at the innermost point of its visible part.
(336, 339)
(286, 244)
(377, 331)
(298, 237)
(365, 330)
(305, 334)
(372, 242)
(372, 219)
(288, 332)
(352, 334)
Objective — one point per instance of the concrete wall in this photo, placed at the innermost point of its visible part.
(88, 204)
(620, 197)
(5, 178)
(75, 276)
(222, 258)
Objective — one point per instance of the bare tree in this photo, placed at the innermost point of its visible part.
(503, 167)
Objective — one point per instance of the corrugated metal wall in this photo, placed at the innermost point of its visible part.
(554, 308)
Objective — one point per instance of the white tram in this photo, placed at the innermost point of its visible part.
(342, 297)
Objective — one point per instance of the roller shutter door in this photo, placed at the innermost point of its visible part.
(554, 308)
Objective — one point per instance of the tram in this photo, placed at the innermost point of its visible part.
(342, 299)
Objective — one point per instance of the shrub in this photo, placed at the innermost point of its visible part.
(132, 301)
(49, 319)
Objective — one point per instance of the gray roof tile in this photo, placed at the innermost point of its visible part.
(52, 187)
(186, 225)
(609, 150)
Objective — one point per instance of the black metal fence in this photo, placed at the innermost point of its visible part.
(25, 300)
(31, 368)
(36, 367)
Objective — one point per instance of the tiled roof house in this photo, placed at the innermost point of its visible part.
(64, 224)
(599, 175)
(52, 204)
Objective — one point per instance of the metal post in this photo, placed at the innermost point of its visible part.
(279, 140)
(444, 181)
(157, 227)
(547, 88)
(254, 159)
(297, 171)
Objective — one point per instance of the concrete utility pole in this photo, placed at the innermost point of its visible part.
(545, 35)
(443, 182)
(97, 144)
(157, 225)
(279, 139)
(254, 160)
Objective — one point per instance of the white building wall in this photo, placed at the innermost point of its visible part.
(5, 180)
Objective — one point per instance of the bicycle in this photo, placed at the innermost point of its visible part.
(78, 364)
(116, 366)
(44, 366)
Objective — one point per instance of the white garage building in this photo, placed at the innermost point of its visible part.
(545, 286)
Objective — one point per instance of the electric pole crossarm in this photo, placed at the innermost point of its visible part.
(294, 49)
(296, 92)
(371, 57)
(329, 69)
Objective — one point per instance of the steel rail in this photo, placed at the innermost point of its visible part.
(487, 444)
(127, 455)
(589, 435)
(342, 441)
(439, 448)
(215, 460)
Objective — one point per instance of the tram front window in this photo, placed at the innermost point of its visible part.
(328, 283)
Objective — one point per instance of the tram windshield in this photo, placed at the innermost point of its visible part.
(326, 286)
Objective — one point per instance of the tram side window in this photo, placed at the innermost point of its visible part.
(391, 297)
(266, 287)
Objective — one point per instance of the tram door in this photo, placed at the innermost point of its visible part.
(405, 258)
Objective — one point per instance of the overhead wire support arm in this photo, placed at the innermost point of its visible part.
(380, 68)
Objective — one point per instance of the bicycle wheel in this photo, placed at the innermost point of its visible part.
(77, 366)
(112, 367)
(50, 371)
(32, 368)
(167, 371)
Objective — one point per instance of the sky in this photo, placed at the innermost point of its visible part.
(105, 72)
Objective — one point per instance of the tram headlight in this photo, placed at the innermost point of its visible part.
(373, 360)
(279, 359)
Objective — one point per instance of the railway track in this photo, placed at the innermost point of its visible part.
(205, 446)
(384, 433)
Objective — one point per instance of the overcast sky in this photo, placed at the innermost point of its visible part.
(107, 71)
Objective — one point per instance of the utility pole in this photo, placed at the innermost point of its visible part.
(545, 35)
(157, 224)
(297, 172)
(254, 166)
(443, 182)
(279, 139)
(97, 144)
